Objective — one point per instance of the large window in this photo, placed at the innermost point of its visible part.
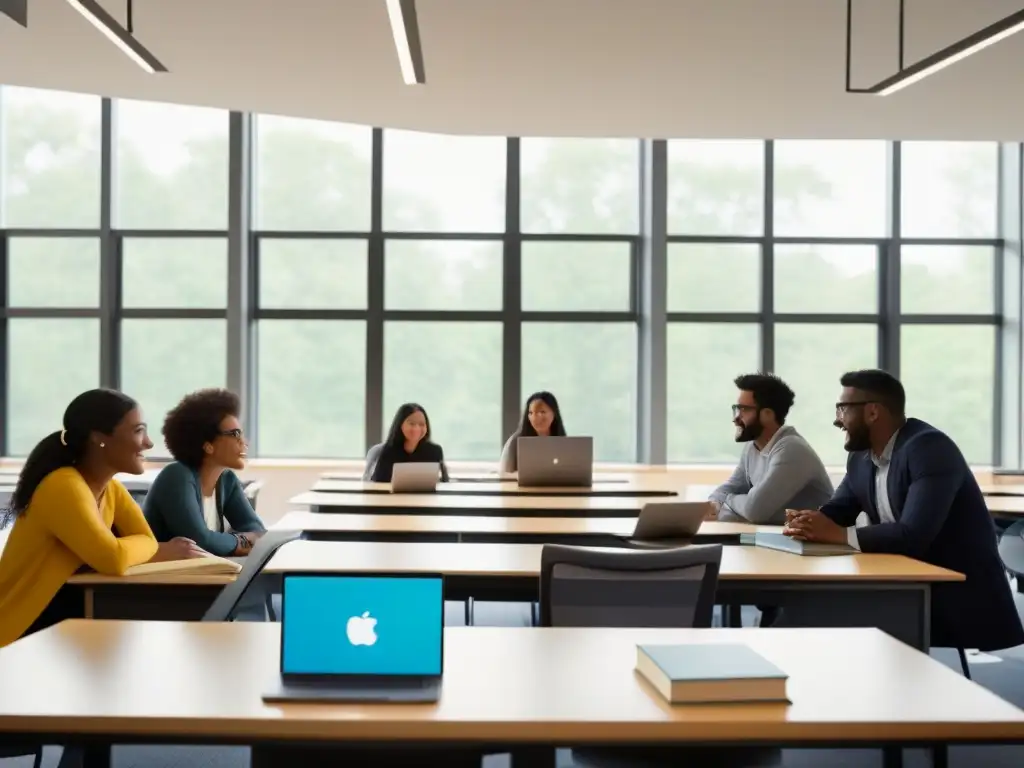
(351, 269)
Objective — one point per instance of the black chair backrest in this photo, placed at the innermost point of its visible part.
(224, 606)
(598, 587)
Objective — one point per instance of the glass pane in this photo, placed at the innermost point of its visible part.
(454, 371)
(312, 175)
(948, 280)
(49, 158)
(715, 187)
(703, 361)
(580, 186)
(811, 359)
(50, 362)
(312, 388)
(832, 279)
(175, 273)
(591, 369)
(950, 188)
(312, 274)
(164, 360)
(956, 398)
(436, 183)
(442, 274)
(172, 166)
(830, 188)
(576, 277)
(708, 277)
(53, 272)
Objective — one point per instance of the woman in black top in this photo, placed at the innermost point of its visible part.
(408, 440)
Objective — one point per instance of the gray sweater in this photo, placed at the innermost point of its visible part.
(786, 474)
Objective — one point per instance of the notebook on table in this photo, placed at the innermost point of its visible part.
(786, 543)
(361, 637)
(210, 565)
(711, 673)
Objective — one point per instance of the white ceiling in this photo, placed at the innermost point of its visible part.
(654, 68)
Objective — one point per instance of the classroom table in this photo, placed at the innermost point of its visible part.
(583, 531)
(640, 488)
(1005, 506)
(525, 690)
(1002, 489)
(501, 506)
(470, 476)
(887, 591)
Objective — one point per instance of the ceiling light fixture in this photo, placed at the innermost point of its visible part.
(929, 65)
(406, 31)
(17, 10)
(120, 36)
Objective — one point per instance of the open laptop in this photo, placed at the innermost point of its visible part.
(361, 637)
(415, 477)
(670, 523)
(555, 461)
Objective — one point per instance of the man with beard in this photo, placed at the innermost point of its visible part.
(778, 468)
(923, 502)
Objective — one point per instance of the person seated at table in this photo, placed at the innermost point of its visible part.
(541, 418)
(69, 511)
(198, 495)
(778, 469)
(408, 440)
(922, 501)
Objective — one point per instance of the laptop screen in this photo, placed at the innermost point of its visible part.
(362, 625)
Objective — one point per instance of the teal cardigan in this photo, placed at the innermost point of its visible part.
(174, 507)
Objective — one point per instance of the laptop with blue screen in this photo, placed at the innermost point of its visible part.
(361, 637)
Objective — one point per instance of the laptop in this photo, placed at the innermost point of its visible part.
(363, 637)
(670, 522)
(555, 461)
(415, 477)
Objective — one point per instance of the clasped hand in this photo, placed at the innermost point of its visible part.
(812, 525)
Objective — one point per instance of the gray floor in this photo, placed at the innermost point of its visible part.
(1004, 676)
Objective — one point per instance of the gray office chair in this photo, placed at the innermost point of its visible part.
(252, 491)
(371, 460)
(227, 601)
(585, 587)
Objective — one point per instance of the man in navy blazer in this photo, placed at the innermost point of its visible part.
(923, 502)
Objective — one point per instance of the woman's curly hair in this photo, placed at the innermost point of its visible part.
(196, 421)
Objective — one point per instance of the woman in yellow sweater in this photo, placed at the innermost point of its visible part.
(69, 511)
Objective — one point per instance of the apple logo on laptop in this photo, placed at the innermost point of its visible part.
(360, 629)
(554, 461)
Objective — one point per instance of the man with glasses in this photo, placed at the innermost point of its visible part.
(778, 469)
(923, 502)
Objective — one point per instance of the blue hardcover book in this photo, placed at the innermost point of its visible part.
(711, 673)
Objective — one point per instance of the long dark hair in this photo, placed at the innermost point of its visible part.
(98, 410)
(395, 438)
(557, 427)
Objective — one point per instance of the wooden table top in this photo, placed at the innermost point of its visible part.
(612, 526)
(1002, 489)
(739, 563)
(628, 505)
(1007, 506)
(469, 476)
(501, 684)
(650, 486)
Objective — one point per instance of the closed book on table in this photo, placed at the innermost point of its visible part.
(194, 566)
(711, 673)
(786, 543)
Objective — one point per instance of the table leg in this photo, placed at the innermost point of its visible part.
(940, 756)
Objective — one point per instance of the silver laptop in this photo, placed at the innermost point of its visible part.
(372, 637)
(556, 461)
(415, 477)
(670, 522)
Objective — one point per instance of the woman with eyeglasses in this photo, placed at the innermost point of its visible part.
(198, 495)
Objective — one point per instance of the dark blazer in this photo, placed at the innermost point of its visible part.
(390, 455)
(942, 519)
(174, 507)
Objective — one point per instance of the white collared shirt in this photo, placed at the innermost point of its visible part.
(882, 501)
